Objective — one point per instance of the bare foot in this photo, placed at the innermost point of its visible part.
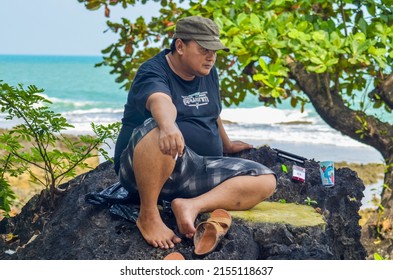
(155, 232)
(185, 215)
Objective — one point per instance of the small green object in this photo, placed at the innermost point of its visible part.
(284, 168)
(378, 257)
(309, 201)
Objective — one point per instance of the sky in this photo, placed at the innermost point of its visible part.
(59, 27)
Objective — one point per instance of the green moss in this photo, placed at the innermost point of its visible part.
(287, 213)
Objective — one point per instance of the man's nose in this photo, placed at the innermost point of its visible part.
(211, 53)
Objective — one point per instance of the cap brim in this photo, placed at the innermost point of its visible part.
(212, 45)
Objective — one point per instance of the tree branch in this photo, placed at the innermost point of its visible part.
(384, 91)
(377, 134)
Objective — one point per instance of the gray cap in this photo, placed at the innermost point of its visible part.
(203, 30)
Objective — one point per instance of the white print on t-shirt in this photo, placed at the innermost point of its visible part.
(196, 99)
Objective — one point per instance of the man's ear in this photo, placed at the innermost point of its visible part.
(179, 46)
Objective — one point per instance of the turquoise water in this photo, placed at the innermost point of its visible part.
(71, 82)
(84, 94)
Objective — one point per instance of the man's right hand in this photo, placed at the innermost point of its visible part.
(171, 141)
(164, 112)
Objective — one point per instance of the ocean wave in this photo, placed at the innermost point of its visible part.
(260, 124)
(69, 106)
(313, 134)
(93, 111)
(60, 103)
(265, 115)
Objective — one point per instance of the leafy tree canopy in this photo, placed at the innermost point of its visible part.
(351, 40)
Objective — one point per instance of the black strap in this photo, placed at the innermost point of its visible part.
(290, 156)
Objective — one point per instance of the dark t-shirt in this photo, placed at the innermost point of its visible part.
(197, 102)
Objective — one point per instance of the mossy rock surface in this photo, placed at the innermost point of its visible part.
(287, 213)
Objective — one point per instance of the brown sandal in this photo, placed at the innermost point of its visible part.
(174, 256)
(209, 233)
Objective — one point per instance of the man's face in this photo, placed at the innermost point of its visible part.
(197, 60)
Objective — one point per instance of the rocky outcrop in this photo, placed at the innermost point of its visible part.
(76, 229)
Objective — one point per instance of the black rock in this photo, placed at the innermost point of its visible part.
(77, 230)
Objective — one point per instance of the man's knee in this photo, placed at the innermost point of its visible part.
(148, 156)
(148, 143)
(268, 184)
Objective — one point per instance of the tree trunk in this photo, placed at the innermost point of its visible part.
(387, 193)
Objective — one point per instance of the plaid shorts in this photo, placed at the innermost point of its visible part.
(193, 174)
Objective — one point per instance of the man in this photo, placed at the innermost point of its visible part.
(172, 140)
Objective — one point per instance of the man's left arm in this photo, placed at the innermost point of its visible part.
(229, 146)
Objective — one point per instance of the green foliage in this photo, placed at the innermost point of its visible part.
(363, 131)
(7, 195)
(310, 202)
(311, 32)
(44, 131)
(351, 40)
(7, 166)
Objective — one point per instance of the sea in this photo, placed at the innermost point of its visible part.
(86, 94)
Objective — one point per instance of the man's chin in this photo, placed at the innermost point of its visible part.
(203, 73)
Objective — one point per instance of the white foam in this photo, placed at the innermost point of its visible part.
(264, 115)
(93, 111)
(314, 134)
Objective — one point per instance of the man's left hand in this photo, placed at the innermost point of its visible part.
(237, 146)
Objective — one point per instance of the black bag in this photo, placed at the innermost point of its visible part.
(120, 202)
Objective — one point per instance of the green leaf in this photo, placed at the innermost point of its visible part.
(294, 102)
(317, 69)
(233, 31)
(93, 5)
(316, 60)
(241, 19)
(362, 25)
(296, 34)
(302, 26)
(377, 51)
(254, 20)
(277, 92)
(265, 79)
(263, 65)
(371, 9)
(331, 62)
(319, 36)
